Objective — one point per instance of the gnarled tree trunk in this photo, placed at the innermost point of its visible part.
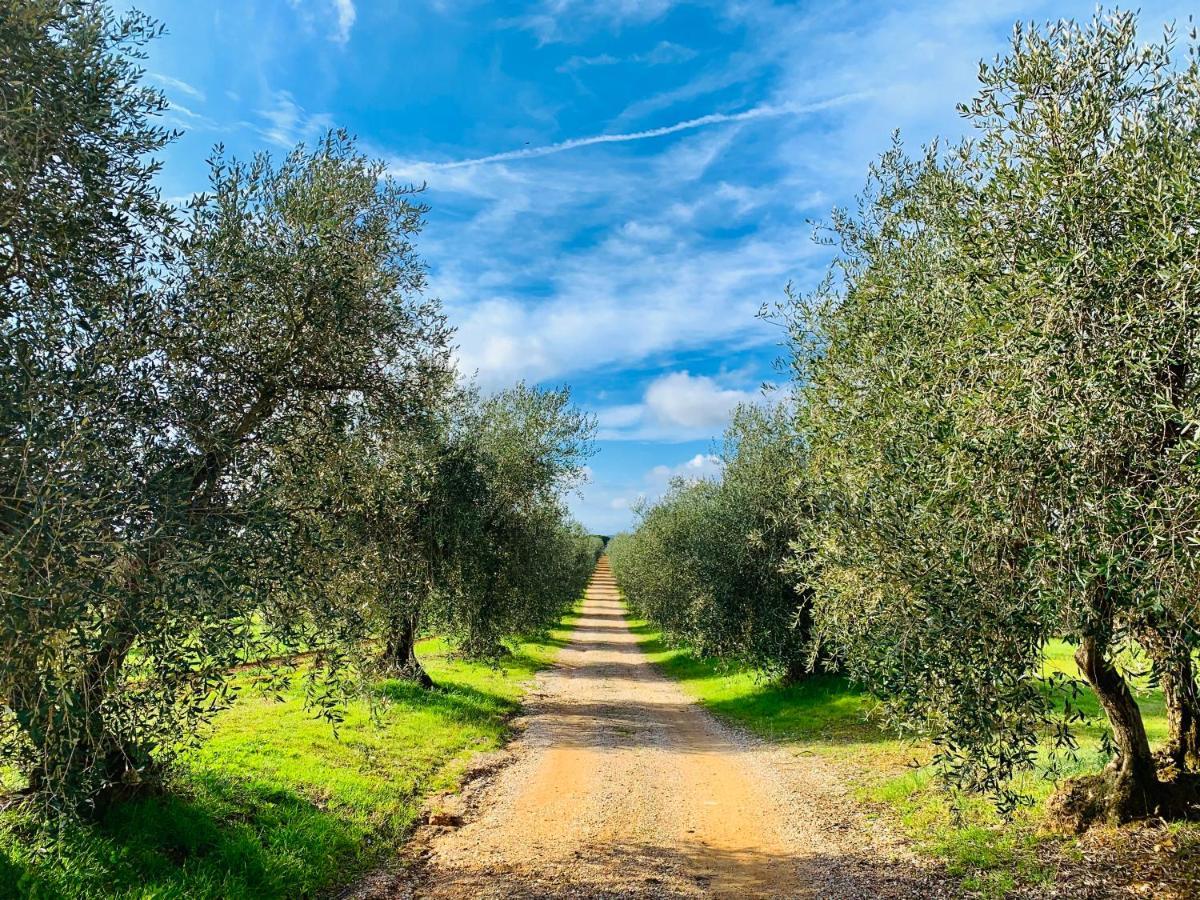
(795, 671)
(1172, 660)
(1129, 788)
(400, 651)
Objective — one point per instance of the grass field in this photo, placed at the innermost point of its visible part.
(275, 805)
(825, 716)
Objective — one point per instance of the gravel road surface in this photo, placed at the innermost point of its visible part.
(622, 786)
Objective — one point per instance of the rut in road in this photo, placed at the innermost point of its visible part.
(624, 787)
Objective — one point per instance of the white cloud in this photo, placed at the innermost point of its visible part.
(338, 16)
(651, 280)
(692, 401)
(624, 416)
(702, 465)
(557, 20)
(181, 116)
(686, 237)
(664, 53)
(676, 407)
(689, 297)
(607, 507)
(665, 236)
(575, 63)
(762, 111)
(346, 14)
(641, 231)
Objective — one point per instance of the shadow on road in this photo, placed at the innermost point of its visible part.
(637, 871)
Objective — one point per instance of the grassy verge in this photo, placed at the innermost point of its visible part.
(274, 804)
(826, 716)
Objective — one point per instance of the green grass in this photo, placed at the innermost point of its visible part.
(275, 804)
(822, 711)
(825, 716)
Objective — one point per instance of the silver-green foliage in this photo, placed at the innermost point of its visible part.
(508, 560)
(445, 517)
(707, 561)
(998, 387)
(157, 368)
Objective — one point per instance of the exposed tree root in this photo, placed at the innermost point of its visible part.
(1111, 798)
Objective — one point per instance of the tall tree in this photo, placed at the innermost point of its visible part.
(495, 551)
(999, 398)
(152, 378)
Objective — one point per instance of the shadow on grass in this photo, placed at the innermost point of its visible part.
(215, 835)
(217, 838)
(276, 807)
(822, 709)
(550, 640)
(452, 700)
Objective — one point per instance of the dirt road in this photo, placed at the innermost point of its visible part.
(623, 787)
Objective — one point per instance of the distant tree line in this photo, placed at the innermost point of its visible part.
(993, 433)
(708, 562)
(231, 429)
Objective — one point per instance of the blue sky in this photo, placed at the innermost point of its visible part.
(617, 186)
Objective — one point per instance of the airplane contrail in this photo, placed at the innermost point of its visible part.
(757, 112)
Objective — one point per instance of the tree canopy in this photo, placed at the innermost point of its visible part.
(229, 430)
(994, 436)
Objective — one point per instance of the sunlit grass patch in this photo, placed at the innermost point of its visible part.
(824, 710)
(275, 804)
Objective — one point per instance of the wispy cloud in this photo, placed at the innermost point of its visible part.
(337, 17)
(575, 63)
(646, 252)
(181, 116)
(346, 15)
(652, 278)
(556, 20)
(287, 122)
(664, 52)
(177, 84)
(763, 111)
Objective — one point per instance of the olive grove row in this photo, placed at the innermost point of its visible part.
(992, 434)
(231, 429)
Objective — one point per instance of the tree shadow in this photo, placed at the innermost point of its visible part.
(632, 869)
(215, 837)
(451, 700)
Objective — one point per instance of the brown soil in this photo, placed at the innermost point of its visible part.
(622, 786)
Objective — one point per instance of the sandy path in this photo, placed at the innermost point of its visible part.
(623, 787)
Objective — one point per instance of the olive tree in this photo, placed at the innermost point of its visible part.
(999, 402)
(709, 561)
(492, 553)
(154, 375)
(357, 494)
(80, 224)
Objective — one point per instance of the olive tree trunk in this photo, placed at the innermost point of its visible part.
(1129, 788)
(400, 651)
(1176, 672)
(795, 671)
